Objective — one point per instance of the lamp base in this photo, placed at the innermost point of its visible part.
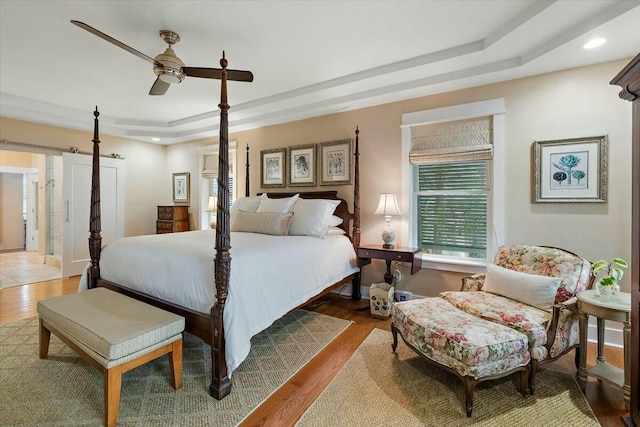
(388, 246)
(212, 225)
(388, 237)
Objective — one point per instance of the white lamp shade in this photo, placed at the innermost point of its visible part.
(213, 202)
(388, 205)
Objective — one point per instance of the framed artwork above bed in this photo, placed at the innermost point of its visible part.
(301, 166)
(335, 162)
(272, 168)
(181, 187)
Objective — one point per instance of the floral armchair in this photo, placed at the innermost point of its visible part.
(514, 294)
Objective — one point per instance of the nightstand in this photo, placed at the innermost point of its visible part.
(368, 252)
(617, 309)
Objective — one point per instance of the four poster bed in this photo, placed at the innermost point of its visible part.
(226, 305)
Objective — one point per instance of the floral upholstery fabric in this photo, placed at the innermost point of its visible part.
(529, 320)
(576, 275)
(574, 271)
(459, 340)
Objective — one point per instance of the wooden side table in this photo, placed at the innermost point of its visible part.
(617, 309)
(398, 253)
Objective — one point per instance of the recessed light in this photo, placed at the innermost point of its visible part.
(155, 139)
(594, 43)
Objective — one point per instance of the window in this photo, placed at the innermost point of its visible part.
(454, 184)
(210, 183)
(452, 209)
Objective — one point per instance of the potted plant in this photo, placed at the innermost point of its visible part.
(607, 286)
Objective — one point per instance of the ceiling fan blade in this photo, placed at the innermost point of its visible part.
(113, 41)
(216, 73)
(159, 87)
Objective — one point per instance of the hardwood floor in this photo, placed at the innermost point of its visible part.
(289, 402)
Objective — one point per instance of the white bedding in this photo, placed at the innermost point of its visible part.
(270, 275)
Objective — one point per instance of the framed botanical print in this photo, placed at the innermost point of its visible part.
(571, 170)
(335, 162)
(272, 168)
(181, 187)
(301, 166)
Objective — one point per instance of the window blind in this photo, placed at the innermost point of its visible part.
(453, 141)
(210, 165)
(452, 208)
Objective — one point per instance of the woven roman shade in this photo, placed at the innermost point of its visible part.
(454, 141)
(210, 165)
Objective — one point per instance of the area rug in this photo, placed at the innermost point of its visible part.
(65, 391)
(376, 387)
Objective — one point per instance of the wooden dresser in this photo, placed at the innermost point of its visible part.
(172, 219)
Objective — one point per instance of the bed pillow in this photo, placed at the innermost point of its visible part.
(335, 231)
(335, 221)
(247, 204)
(282, 205)
(531, 289)
(276, 224)
(312, 217)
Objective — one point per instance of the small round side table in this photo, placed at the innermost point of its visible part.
(617, 309)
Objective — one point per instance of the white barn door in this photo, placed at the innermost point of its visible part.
(76, 195)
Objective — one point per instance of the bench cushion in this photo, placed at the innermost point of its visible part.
(466, 343)
(521, 317)
(110, 324)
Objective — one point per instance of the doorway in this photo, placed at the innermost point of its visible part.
(30, 230)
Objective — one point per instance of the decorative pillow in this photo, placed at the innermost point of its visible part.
(276, 224)
(335, 221)
(312, 217)
(247, 204)
(335, 231)
(283, 205)
(531, 289)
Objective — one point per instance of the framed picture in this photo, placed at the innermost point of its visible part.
(272, 167)
(571, 170)
(181, 187)
(335, 162)
(301, 166)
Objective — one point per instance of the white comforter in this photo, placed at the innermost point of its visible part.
(270, 275)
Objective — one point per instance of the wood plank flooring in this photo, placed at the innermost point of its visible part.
(289, 402)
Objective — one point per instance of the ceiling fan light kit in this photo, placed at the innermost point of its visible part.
(168, 68)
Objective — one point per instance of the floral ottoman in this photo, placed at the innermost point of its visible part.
(474, 349)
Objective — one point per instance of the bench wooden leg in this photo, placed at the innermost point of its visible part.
(112, 386)
(175, 363)
(524, 382)
(45, 337)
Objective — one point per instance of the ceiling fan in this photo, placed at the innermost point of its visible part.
(167, 66)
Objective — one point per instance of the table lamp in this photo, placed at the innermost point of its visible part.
(212, 207)
(388, 206)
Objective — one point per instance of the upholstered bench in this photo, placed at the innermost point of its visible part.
(115, 334)
(474, 349)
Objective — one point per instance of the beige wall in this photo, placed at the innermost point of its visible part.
(146, 177)
(12, 228)
(17, 159)
(573, 103)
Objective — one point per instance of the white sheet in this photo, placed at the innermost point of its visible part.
(270, 275)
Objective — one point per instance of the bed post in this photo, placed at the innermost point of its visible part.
(355, 293)
(95, 238)
(246, 175)
(220, 383)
